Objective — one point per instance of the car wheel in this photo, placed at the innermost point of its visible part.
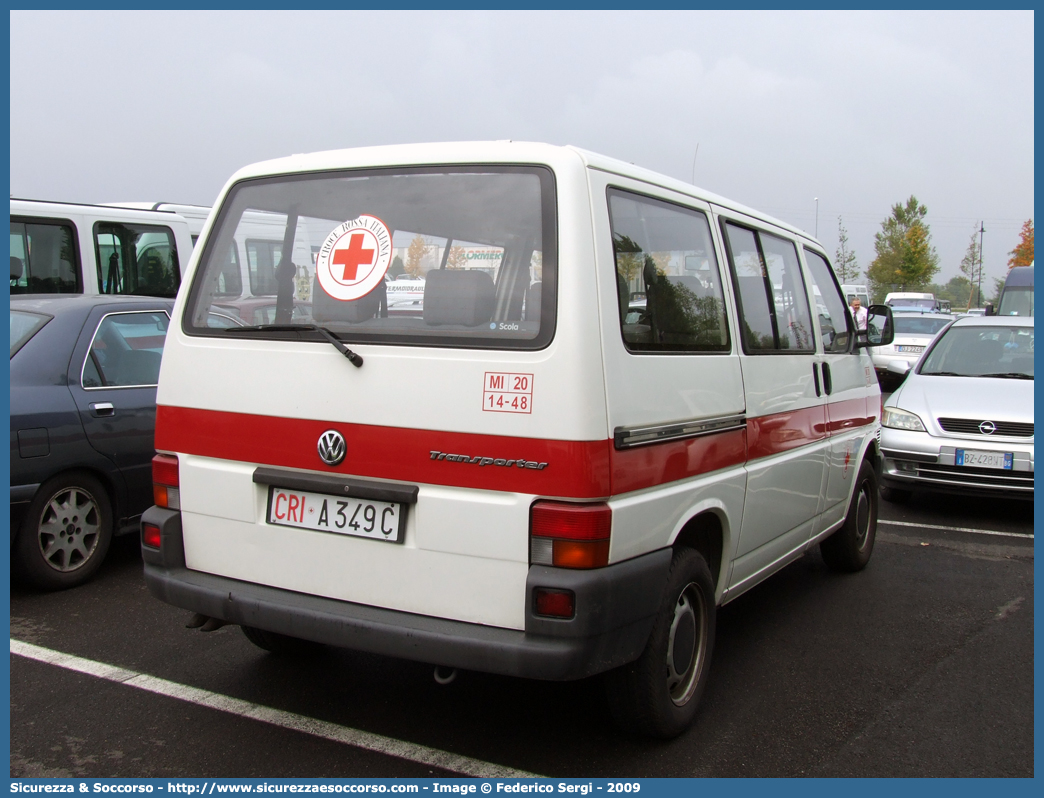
(275, 642)
(65, 533)
(849, 548)
(895, 495)
(658, 694)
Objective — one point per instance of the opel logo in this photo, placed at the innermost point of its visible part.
(332, 447)
(987, 428)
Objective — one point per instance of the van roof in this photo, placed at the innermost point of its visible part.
(1019, 277)
(507, 151)
(28, 206)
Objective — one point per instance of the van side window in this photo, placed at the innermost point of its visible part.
(44, 259)
(262, 259)
(136, 259)
(667, 276)
(830, 307)
(773, 305)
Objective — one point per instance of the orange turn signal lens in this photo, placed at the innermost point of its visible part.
(580, 553)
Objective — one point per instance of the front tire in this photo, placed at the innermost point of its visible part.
(657, 695)
(849, 548)
(65, 533)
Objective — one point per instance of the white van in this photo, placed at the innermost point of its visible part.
(861, 292)
(68, 248)
(531, 474)
(912, 300)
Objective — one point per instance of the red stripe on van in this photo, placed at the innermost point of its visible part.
(576, 469)
(848, 414)
(781, 432)
(656, 464)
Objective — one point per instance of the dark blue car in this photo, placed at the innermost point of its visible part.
(83, 409)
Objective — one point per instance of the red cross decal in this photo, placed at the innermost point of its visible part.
(353, 257)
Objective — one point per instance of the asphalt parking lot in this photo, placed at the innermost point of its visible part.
(921, 665)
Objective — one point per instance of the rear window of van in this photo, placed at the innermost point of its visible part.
(437, 256)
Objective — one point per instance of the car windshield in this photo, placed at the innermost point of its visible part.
(1016, 302)
(24, 325)
(925, 304)
(920, 325)
(1005, 352)
(438, 256)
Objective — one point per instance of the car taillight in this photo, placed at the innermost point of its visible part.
(165, 484)
(570, 535)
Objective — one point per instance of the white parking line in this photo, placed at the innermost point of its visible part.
(957, 529)
(286, 720)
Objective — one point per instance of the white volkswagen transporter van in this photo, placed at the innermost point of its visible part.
(556, 466)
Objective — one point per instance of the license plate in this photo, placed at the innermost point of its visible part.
(322, 512)
(913, 350)
(981, 459)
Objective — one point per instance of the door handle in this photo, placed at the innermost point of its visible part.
(828, 384)
(815, 377)
(102, 409)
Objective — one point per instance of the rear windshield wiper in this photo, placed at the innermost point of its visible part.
(355, 359)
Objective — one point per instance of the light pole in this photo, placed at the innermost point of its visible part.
(817, 217)
(978, 290)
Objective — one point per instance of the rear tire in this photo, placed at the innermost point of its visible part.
(657, 695)
(65, 533)
(895, 495)
(275, 642)
(849, 548)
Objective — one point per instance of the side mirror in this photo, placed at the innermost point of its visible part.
(880, 328)
(989, 309)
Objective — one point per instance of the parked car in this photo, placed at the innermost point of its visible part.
(914, 330)
(962, 420)
(83, 406)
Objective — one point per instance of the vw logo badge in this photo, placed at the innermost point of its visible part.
(987, 428)
(332, 447)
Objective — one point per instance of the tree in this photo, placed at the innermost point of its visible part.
(1022, 255)
(971, 268)
(415, 254)
(905, 258)
(458, 258)
(845, 266)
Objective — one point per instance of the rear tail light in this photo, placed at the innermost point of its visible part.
(165, 484)
(570, 535)
(150, 536)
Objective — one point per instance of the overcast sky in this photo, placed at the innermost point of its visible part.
(858, 109)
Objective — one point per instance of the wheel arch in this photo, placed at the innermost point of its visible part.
(707, 531)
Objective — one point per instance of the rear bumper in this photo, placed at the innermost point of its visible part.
(615, 610)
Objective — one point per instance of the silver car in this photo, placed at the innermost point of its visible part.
(962, 421)
(914, 331)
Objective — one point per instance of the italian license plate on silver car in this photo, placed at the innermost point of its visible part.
(981, 459)
(322, 512)
(910, 350)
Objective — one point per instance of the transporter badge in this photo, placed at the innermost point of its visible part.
(332, 448)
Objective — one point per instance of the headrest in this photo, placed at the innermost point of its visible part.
(325, 308)
(456, 296)
(17, 267)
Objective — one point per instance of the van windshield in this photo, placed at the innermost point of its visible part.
(438, 256)
(1016, 301)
